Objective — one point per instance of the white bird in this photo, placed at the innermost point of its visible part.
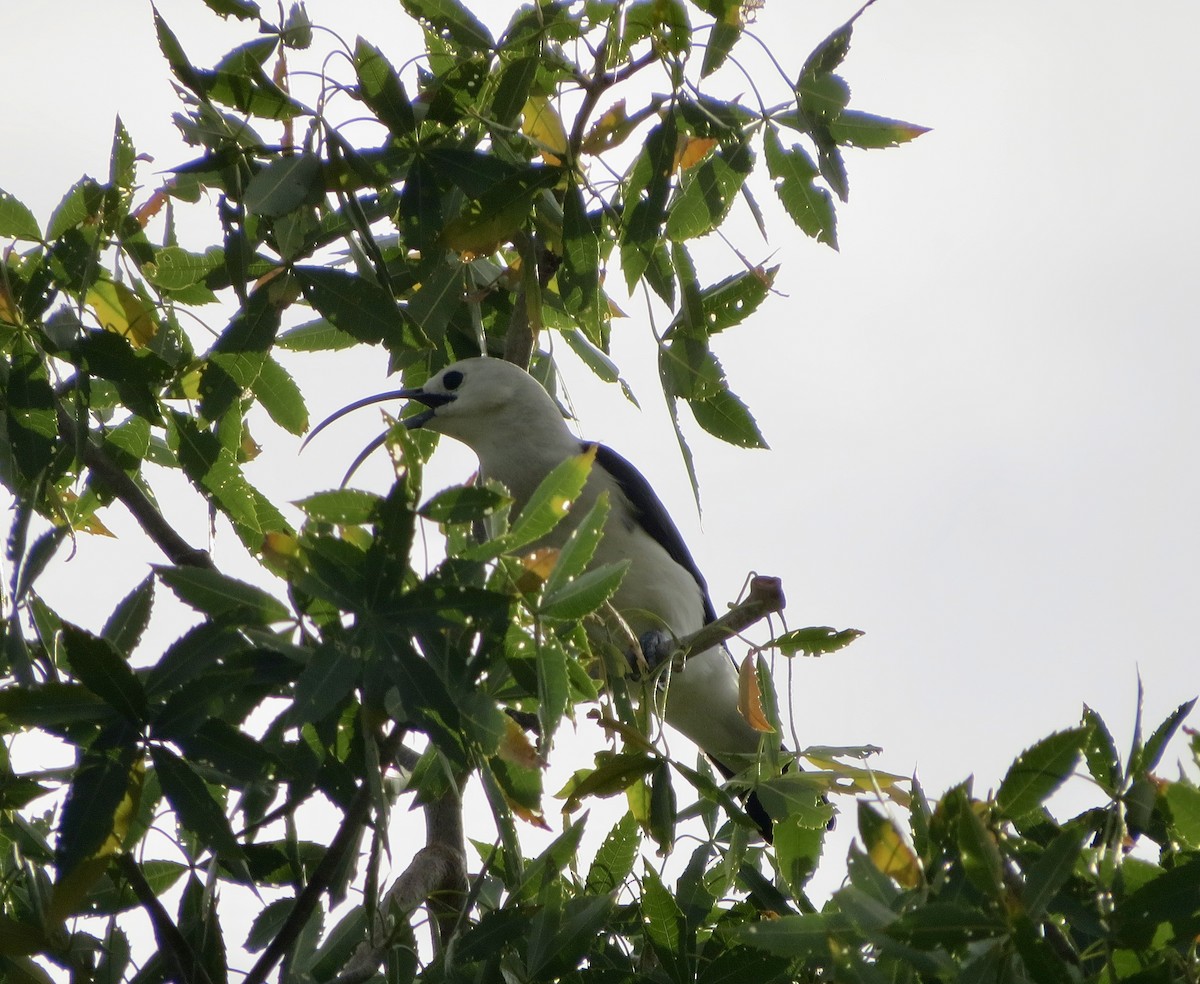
(519, 435)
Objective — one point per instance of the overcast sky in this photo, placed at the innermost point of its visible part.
(983, 411)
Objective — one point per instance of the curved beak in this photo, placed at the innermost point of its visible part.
(430, 400)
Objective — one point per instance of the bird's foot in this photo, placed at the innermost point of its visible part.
(656, 647)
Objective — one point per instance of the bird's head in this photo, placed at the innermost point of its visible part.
(481, 402)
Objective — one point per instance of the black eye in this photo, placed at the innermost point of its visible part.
(452, 380)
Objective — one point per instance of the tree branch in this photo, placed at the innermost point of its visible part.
(322, 878)
(171, 942)
(765, 598)
(109, 474)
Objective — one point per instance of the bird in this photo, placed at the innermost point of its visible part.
(519, 435)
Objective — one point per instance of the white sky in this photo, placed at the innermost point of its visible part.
(983, 411)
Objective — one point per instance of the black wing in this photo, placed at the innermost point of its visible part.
(653, 517)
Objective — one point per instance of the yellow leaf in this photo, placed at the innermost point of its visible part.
(122, 312)
(750, 696)
(894, 858)
(8, 308)
(541, 123)
(189, 383)
(515, 747)
(692, 150)
(281, 546)
(536, 567)
(609, 131)
(69, 892)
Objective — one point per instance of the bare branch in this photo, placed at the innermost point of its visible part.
(765, 598)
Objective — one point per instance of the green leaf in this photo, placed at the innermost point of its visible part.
(223, 747)
(646, 196)
(241, 9)
(110, 898)
(724, 35)
(790, 936)
(664, 925)
(584, 593)
(1183, 802)
(1039, 771)
(554, 684)
(724, 415)
(798, 848)
(50, 705)
(1050, 872)
(381, 89)
(546, 508)
(706, 193)
(1100, 753)
(450, 19)
(1172, 897)
(213, 469)
(196, 808)
(279, 395)
(815, 640)
(944, 924)
(97, 790)
(512, 90)
(577, 552)
(33, 564)
(16, 221)
(1157, 743)
(219, 596)
(463, 504)
(285, 184)
(315, 336)
(268, 923)
(855, 129)
(615, 858)
(360, 308)
(340, 506)
(129, 619)
(104, 671)
(579, 276)
(797, 796)
(30, 410)
(83, 201)
(731, 301)
(330, 675)
(979, 852)
(174, 268)
(810, 207)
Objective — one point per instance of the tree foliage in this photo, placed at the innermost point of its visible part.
(488, 196)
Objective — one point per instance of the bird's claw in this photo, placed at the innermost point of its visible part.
(656, 647)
